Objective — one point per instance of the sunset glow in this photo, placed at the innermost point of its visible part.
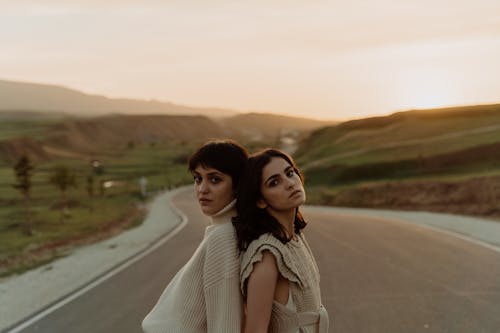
(427, 87)
(336, 60)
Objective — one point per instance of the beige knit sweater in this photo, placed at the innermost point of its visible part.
(295, 263)
(204, 296)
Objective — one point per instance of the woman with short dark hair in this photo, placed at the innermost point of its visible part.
(279, 277)
(204, 295)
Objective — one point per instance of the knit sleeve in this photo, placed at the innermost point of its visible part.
(267, 242)
(224, 304)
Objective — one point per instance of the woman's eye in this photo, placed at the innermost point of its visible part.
(273, 182)
(197, 179)
(290, 173)
(215, 180)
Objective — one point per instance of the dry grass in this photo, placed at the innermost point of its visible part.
(478, 196)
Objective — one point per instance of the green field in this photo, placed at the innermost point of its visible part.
(164, 166)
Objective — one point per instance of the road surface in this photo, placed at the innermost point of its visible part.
(376, 275)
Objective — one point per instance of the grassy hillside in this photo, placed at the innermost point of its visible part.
(476, 160)
(26, 124)
(80, 138)
(343, 161)
(119, 130)
(401, 136)
(63, 136)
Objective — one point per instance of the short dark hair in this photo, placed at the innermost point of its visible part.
(225, 155)
(253, 221)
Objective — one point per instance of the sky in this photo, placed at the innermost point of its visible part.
(324, 59)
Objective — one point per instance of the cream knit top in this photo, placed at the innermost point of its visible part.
(296, 263)
(204, 296)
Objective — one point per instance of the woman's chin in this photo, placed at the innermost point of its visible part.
(300, 200)
(206, 210)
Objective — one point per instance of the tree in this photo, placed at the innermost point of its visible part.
(23, 170)
(90, 190)
(63, 178)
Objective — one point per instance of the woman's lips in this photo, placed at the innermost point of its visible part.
(295, 193)
(204, 201)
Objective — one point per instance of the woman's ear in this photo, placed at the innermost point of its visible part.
(261, 204)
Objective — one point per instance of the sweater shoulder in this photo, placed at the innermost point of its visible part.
(221, 238)
(285, 259)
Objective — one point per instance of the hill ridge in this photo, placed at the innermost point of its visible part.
(51, 97)
(404, 143)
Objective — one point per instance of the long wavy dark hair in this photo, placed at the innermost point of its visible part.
(253, 221)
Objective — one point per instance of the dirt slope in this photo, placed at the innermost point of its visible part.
(475, 196)
(117, 130)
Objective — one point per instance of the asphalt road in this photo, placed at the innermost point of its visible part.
(377, 276)
(383, 276)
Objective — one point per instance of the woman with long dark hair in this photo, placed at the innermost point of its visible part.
(279, 277)
(204, 296)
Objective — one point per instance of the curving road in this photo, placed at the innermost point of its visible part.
(377, 276)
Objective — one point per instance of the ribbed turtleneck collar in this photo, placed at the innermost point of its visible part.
(225, 214)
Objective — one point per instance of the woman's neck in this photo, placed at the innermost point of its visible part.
(225, 214)
(286, 219)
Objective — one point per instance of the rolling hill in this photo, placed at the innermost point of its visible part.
(445, 160)
(51, 135)
(22, 96)
(418, 134)
(76, 136)
(118, 130)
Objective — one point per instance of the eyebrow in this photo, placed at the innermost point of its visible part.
(277, 174)
(213, 173)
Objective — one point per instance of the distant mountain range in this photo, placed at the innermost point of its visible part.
(22, 96)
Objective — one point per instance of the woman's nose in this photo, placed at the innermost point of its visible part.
(290, 182)
(203, 188)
